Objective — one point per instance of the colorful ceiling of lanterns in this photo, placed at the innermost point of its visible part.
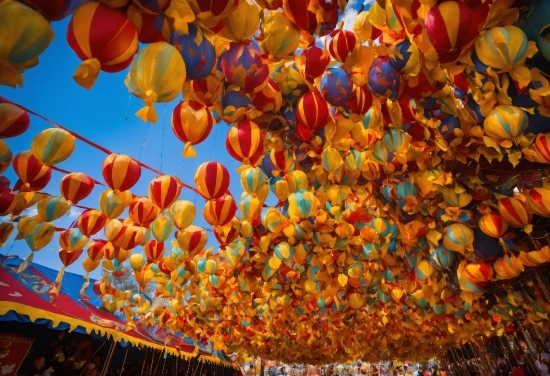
(406, 152)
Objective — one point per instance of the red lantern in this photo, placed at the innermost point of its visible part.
(164, 191)
(303, 132)
(191, 123)
(95, 249)
(67, 258)
(302, 13)
(317, 59)
(312, 111)
(91, 221)
(142, 211)
(342, 44)
(212, 180)
(129, 236)
(33, 176)
(13, 120)
(360, 101)
(220, 211)
(192, 239)
(151, 27)
(154, 251)
(53, 10)
(6, 201)
(452, 26)
(76, 186)
(120, 172)
(542, 147)
(244, 142)
(103, 38)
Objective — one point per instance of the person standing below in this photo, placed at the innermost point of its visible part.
(516, 369)
(542, 365)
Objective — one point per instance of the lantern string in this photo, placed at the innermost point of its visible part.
(69, 172)
(85, 140)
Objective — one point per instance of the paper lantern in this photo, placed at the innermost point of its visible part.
(191, 123)
(164, 190)
(103, 38)
(13, 120)
(220, 211)
(52, 146)
(76, 186)
(120, 172)
(212, 180)
(25, 34)
(156, 75)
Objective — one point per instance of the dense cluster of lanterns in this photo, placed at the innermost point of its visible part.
(377, 144)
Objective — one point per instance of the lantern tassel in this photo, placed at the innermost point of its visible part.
(148, 113)
(189, 151)
(55, 290)
(9, 74)
(86, 74)
(25, 263)
(83, 295)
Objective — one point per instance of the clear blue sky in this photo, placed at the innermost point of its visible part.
(104, 115)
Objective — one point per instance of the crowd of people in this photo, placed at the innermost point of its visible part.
(357, 369)
(513, 365)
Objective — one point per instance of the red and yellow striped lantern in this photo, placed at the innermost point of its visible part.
(33, 176)
(67, 258)
(359, 102)
(542, 147)
(478, 274)
(192, 123)
(192, 239)
(164, 191)
(76, 186)
(129, 237)
(451, 27)
(13, 120)
(493, 224)
(514, 211)
(302, 13)
(212, 180)
(120, 172)
(312, 111)
(142, 211)
(220, 211)
(90, 222)
(316, 58)
(95, 249)
(154, 250)
(244, 142)
(103, 38)
(342, 44)
(538, 201)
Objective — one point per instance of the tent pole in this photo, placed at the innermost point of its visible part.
(124, 362)
(91, 357)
